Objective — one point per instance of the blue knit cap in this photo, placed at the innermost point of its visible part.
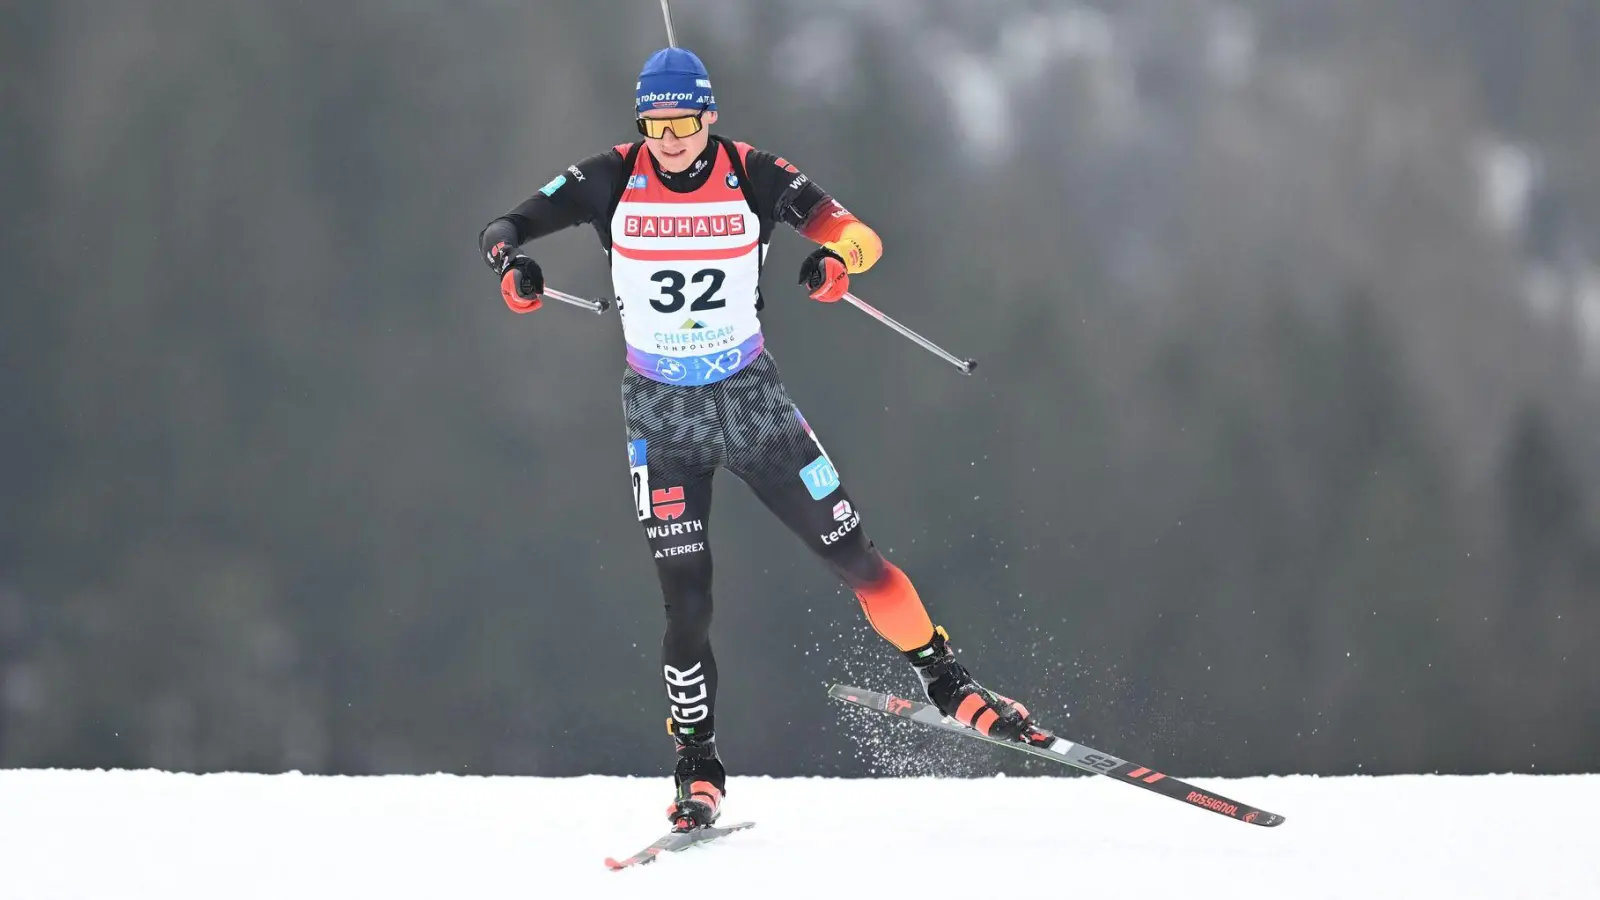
(673, 78)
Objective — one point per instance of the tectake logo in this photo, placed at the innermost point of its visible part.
(842, 510)
(851, 520)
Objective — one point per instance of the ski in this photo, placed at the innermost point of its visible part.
(1052, 747)
(674, 841)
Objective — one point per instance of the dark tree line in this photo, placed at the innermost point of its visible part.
(1282, 456)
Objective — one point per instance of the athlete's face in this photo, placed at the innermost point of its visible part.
(675, 153)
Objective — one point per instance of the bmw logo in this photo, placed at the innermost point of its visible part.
(733, 180)
(671, 369)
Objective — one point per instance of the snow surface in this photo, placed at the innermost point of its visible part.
(78, 834)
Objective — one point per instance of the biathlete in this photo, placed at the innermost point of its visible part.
(685, 218)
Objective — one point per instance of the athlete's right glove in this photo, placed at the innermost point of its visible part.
(521, 280)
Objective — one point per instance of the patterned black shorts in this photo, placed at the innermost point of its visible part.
(679, 436)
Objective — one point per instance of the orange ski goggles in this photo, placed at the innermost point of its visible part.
(681, 126)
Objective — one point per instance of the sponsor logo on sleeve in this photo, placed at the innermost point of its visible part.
(820, 477)
(668, 503)
(657, 532)
(848, 518)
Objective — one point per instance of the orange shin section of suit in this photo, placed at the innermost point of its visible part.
(895, 611)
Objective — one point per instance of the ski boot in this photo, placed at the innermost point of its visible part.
(701, 781)
(952, 689)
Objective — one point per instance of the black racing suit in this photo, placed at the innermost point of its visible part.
(745, 423)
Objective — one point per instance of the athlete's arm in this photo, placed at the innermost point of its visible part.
(579, 195)
(785, 194)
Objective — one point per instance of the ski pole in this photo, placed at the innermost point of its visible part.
(597, 305)
(965, 365)
(666, 13)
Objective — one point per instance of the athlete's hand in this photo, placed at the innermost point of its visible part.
(823, 273)
(521, 280)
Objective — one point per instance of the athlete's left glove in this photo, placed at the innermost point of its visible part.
(824, 274)
(521, 280)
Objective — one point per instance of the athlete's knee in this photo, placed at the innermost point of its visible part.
(855, 559)
(686, 591)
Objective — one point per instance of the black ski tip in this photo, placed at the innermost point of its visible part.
(1264, 819)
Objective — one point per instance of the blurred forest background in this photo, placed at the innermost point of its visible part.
(1283, 455)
